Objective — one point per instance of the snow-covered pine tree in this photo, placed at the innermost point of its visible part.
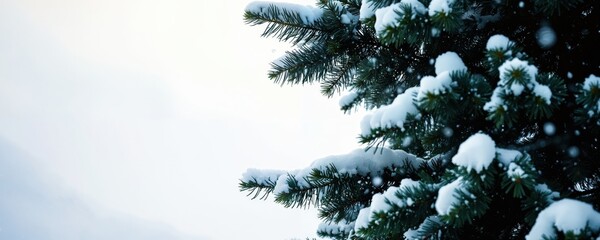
(484, 116)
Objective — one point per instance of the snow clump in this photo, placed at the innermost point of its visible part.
(444, 64)
(449, 61)
(498, 41)
(440, 6)
(591, 82)
(380, 202)
(476, 153)
(388, 16)
(367, 9)
(509, 72)
(447, 196)
(565, 215)
(347, 99)
(393, 115)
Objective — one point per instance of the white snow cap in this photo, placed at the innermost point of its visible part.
(447, 196)
(476, 153)
(498, 41)
(506, 156)
(388, 16)
(308, 13)
(366, 163)
(495, 101)
(380, 202)
(517, 64)
(439, 6)
(347, 99)
(393, 115)
(449, 61)
(590, 81)
(366, 9)
(434, 85)
(543, 92)
(263, 177)
(335, 228)
(515, 88)
(564, 215)
(362, 220)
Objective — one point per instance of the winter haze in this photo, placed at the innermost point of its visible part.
(135, 120)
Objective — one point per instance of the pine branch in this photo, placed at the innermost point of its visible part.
(306, 64)
(255, 188)
(285, 24)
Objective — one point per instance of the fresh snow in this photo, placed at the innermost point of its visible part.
(393, 115)
(362, 221)
(434, 85)
(514, 171)
(366, 9)
(449, 61)
(411, 234)
(347, 99)
(447, 196)
(476, 153)
(516, 63)
(381, 202)
(444, 64)
(564, 215)
(536, 88)
(508, 86)
(262, 177)
(498, 41)
(440, 6)
(388, 16)
(506, 156)
(408, 183)
(336, 228)
(308, 13)
(543, 92)
(365, 163)
(591, 81)
(495, 101)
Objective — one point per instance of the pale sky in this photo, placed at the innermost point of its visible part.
(135, 119)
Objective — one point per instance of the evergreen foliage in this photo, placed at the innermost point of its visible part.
(439, 76)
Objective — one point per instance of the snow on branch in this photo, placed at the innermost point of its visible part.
(390, 15)
(476, 153)
(393, 115)
(566, 215)
(358, 162)
(383, 202)
(308, 14)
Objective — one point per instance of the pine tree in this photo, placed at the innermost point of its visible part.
(483, 123)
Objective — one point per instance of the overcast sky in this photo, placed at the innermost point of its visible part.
(130, 119)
